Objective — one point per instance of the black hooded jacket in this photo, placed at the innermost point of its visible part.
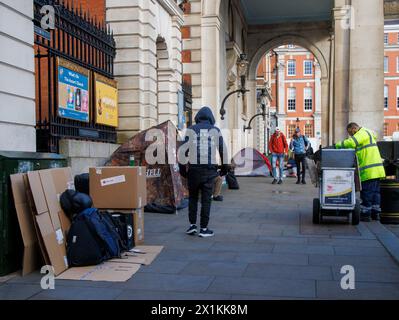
(208, 138)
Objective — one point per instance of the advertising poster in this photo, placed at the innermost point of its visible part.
(337, 187)
(106, 101)
(73, 91)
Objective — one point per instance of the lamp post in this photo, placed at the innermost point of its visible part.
(263, 114)
(297, 122)
(242, 66)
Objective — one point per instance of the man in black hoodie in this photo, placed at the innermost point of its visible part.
(203, 139)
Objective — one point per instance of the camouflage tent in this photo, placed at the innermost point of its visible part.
(166, 188)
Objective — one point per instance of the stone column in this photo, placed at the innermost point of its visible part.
(366, 68)
(281, 115)
(340, 70)
(317, 112)
(210, 62)
(134, 27)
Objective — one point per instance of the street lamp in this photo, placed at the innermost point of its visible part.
(242, 67)
(263, 114)
(297, 122)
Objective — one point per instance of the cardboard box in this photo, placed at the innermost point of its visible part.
(118, 187)
(46, 185)
(31, 256)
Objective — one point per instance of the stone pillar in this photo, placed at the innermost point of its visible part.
(17, 81)
(317, 112)
(210, 62)
(134, 27)
(281, 114)
(366, 68)
(340, 71)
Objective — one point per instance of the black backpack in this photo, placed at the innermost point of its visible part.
(81, 182)
(84, 247)
(232, 182)
(124, 226)
(73, 202)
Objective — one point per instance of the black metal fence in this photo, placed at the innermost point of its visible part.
(79, 39)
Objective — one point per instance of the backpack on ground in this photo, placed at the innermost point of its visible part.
(124, 226)
(232, 182)
(84, 247)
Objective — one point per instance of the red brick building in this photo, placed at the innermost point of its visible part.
(293, 76)
(391, 79)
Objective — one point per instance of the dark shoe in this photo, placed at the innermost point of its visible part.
(365, 218)
(192, 229)
(205, 233)
(274, 181)
(218, 198)
(303, 182)
(280, 181)
(298, 182)
(375, 216)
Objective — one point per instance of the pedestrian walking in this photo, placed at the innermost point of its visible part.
(202, 171)
(279, 148)
(299, 145)
(371, 168)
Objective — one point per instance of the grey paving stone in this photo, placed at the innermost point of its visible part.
(189, 255)
(356, 261)
(32, 278)
(267, 287)
(363, 290)
(273, 258)
(360, 251)
(281, 240)
(78, 293)
(232, 238)
(242, 247)
(303, 248)
(260, 270)
(344, 242)
(229, 269)
(167, 282)
(164, 266)
(18, 291)
(191, 243)
(162, 295)
(371, 274)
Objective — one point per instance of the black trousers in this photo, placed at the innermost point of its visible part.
(300, 166)
(200, 179)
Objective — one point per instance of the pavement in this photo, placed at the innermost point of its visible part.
(265, 247)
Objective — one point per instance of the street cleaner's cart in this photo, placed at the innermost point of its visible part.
(337, 172)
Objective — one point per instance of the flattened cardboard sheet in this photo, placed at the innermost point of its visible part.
(107, 271)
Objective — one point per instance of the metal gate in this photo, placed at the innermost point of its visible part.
(81, 40)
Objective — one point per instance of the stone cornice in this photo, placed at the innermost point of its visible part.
(173, 9)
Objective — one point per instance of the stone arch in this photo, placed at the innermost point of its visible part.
(283, 40)
(211, 7)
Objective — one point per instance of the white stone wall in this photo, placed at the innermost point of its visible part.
(17, 81)
(137, 25)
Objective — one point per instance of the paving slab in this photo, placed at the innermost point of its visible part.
(18, 291)
(230, 269)
(77, 293)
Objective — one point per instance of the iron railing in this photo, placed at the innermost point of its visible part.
(84, 41)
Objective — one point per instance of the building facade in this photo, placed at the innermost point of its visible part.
(292, 75)
(391, 78)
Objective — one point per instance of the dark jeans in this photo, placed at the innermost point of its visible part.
(200, 179)
(371, 197)
(300, 166)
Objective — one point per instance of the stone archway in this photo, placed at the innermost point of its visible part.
(322, 112)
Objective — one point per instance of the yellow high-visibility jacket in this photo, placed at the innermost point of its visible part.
(370, 161)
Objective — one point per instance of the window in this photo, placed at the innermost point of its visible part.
(291, 46)
(397, 97)
(291, 70)
(291, 99)
(308, 68)
(385, 38)
(385, 129)
(308, 130)
(308, 99)
(386, 97)
(291, 130)
(386, 61)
